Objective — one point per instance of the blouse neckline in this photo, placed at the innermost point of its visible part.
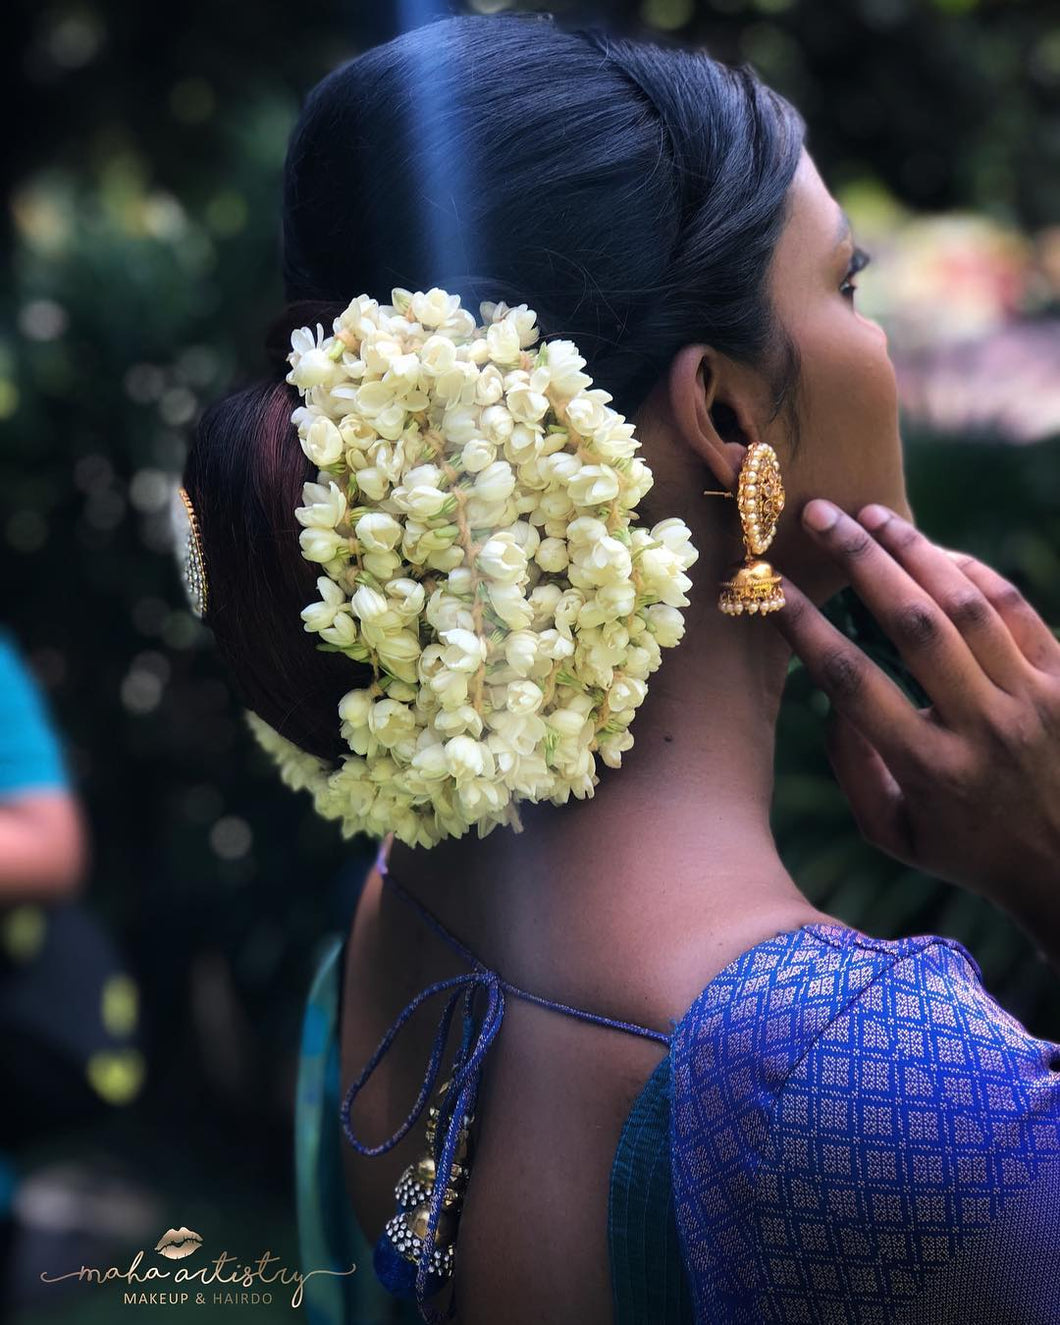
(820, 928)
(459, 1100)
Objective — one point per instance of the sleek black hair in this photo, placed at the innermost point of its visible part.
(631, 192)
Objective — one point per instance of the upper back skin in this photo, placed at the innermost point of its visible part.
(555, 1093)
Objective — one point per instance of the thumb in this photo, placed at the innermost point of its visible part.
(876, 799)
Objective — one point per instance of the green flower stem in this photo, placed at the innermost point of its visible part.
(471, 549)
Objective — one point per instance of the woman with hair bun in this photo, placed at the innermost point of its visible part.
(587, 1053)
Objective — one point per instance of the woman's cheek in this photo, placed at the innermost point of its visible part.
(874, 326)
(871, 384)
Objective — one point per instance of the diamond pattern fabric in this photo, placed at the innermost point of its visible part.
(853, 1117)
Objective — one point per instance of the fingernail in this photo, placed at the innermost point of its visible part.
(875, 515)
(820, 514)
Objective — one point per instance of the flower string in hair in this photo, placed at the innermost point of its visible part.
(472, 519)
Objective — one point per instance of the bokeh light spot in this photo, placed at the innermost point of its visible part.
(230, 837)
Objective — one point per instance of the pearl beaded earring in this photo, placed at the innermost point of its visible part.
(755, 586)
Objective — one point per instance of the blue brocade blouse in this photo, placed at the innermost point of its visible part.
(845, 1129)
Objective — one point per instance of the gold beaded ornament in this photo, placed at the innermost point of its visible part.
(755, 586)
(188, 548)
(406, 1230)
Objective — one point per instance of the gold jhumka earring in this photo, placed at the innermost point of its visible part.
(755, 586)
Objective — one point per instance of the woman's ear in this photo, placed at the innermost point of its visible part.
(710, 416)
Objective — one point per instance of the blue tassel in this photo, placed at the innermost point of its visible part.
(394, 1272)
(397, 1275)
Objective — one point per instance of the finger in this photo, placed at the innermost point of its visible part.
(1032, 635)
(963, 601)
(1029, 637)
(930, 644)
(876, 799)
(860, 690)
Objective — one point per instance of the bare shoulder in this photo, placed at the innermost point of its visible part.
(698, 957)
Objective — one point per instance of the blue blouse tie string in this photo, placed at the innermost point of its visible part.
(457, 1104)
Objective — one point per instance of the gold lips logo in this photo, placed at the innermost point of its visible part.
(225, 1273)
(177, 1243)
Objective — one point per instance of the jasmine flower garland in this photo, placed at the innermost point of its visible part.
(472, 521)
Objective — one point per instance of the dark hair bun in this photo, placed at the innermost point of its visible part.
(631, 193)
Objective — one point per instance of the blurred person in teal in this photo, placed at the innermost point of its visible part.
(67, 1012)
(43, 835)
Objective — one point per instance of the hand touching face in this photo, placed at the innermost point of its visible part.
(968, 788)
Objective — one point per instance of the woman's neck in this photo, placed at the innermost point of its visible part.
(671, 848)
